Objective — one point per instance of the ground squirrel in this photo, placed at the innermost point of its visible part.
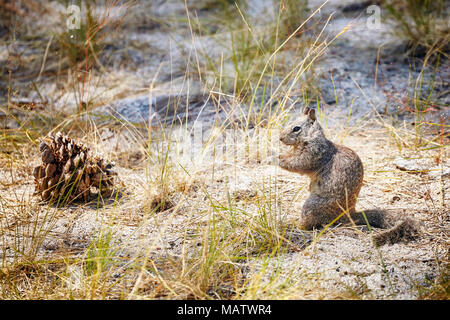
(336, 174)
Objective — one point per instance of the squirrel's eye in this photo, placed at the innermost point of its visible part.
(296, 129)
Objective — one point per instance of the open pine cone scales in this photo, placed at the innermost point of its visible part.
(69, 172)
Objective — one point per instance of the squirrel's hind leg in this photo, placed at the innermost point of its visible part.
(319, 211)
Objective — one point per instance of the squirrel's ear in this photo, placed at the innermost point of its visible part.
(311, 114)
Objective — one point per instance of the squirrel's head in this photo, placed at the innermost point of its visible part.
(302, 129)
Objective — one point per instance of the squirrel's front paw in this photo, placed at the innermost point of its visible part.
(282, 160)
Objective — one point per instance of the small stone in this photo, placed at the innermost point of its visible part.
(407, 165)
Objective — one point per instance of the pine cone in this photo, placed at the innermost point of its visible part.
(68, 171)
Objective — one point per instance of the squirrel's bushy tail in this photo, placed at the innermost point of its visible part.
(398, 226)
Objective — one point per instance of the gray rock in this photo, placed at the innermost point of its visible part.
(417, 165)
(407, 165)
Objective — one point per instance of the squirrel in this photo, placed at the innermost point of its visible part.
(336, 173)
